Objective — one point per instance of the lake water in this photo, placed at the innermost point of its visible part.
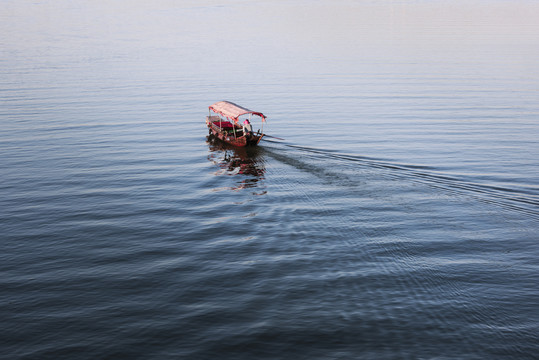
(398, 218)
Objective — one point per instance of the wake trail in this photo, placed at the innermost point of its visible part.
(523, 201)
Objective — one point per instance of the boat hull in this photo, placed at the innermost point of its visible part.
(233, 136)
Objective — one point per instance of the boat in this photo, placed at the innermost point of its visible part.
(231, 123)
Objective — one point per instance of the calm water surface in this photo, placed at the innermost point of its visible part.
(398, 218)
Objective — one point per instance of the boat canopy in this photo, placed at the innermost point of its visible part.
(233, 111)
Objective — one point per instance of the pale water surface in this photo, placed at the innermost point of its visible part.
(398, 218)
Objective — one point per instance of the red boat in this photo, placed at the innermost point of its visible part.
(225, 122)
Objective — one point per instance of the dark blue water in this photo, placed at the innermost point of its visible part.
(398, 218)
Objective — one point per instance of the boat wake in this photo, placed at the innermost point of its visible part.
(523, 200)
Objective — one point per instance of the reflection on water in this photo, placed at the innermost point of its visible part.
(235, 161)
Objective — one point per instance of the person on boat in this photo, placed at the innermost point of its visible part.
(247, 128)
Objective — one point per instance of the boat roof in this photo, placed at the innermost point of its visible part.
(232, 111)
